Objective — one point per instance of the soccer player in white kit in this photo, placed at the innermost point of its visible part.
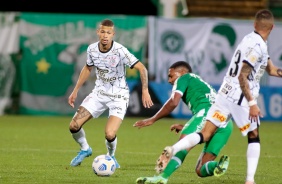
(109, 60)
(237, 96)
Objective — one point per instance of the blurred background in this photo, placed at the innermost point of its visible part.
(43, 48)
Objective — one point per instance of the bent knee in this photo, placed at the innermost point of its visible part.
(205, 136)
(110, 135)
(74, 127)
(198, 171)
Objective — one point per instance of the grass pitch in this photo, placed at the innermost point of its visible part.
(38, 150)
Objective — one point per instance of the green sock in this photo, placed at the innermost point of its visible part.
(208, 168)
(174, 163)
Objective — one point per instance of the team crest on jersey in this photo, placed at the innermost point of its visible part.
(113, 61)
(220, 117)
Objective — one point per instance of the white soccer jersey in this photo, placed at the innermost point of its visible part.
(253, 51)
(110, 67)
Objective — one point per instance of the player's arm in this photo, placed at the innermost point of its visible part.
(166, 109)
(83, 76)
(244, 84)
(243, 80)
(146, 98)
(272, 70)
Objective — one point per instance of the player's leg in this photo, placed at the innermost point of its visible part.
(207, 166)
(217, 116)
(89, 108)
(191, 140)
(167, 167)
(253, 154)
(241, 117)
(195, 124)
(117, 110)
(78, 134)
(111, 129)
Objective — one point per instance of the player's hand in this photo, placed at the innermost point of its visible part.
(146, 99)
(143, 123)
(255, 113)
(72, 98)
(176, 127)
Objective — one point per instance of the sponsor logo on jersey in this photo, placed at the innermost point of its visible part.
(102, 75)
(242, 129)
(116, 108)
(220, 117)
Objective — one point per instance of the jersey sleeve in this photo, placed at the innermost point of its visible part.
(89, 61)
(127, 58)
(180, 85)
(253, 53)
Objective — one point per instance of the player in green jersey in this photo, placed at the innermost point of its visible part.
(198, 96)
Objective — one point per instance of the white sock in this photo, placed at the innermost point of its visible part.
(111, 146)
(186, 142)
(80, 138)
(253, 153)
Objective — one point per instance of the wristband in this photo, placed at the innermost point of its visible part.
(252, 102)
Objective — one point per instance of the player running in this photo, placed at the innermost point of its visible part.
(109, 59)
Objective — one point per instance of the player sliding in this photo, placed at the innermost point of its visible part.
(198, 96)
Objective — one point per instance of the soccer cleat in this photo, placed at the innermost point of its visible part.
(80, 156)
(155, 180)
(117, 165)
(222, 166)
(163, 159)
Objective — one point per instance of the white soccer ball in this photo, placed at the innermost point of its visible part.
(103, 165)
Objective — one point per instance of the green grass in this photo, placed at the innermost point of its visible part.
(39, 149)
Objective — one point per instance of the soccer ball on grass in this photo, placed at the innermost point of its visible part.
(103, 165)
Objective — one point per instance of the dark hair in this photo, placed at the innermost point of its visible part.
(181, 64)
(107, 22)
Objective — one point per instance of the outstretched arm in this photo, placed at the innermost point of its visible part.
(166, 109)
(146, 98)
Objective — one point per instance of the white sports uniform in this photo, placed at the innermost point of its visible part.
(230, 101)
(111, 90)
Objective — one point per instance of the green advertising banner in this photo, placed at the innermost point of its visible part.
(53, 50)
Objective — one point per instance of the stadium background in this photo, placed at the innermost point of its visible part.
(29, 82)
(38, 149)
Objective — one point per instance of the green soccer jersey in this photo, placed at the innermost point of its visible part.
(196, 93)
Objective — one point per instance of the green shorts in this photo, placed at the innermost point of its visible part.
(218, 140)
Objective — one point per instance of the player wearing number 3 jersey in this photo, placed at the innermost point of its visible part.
(237, 96)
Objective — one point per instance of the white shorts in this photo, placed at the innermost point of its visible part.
(99, 101)
(223, 110)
